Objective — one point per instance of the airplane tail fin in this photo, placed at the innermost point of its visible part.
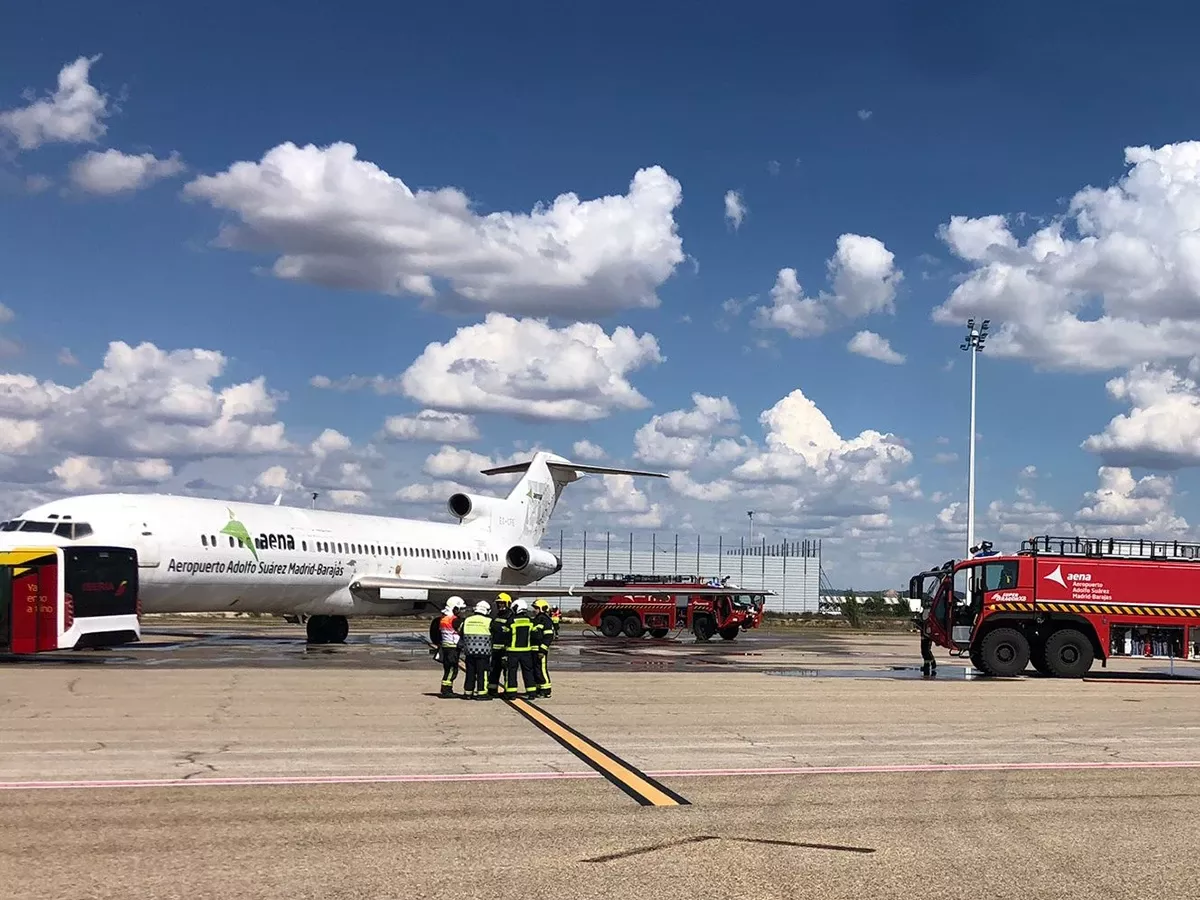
(534, 497)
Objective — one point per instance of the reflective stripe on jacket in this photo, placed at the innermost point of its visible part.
(524, 634)
(450, 634)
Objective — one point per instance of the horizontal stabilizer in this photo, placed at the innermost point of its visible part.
(567, 465)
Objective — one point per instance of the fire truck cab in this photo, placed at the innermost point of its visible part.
(1061, 603)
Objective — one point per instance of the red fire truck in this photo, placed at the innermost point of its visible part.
(1063, 602)
(706, 606)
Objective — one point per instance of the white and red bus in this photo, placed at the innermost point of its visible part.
(66, 598)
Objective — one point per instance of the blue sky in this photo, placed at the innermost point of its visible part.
(859, 120)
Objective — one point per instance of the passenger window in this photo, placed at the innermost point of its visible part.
(204, 539)
(303, 545)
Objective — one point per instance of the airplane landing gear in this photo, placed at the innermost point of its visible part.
(327, 629)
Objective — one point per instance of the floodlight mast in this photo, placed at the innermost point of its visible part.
(973, 344)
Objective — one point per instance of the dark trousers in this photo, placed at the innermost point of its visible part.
(928, 663)
(523, 660)
(449, 667)
(541, 664)
(477, 674)
(496, 682)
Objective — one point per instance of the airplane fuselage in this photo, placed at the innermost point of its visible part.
(193, 557)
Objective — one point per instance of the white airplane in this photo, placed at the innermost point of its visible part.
(201, 555)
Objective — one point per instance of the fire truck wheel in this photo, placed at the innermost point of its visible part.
(1069, 653)
(633, 627)
(1004, 652)
(610, 625)
(659, 633)
(704, 628)
(729, 633)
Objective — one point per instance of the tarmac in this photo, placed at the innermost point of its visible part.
(224, 759)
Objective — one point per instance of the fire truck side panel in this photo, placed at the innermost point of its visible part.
(1094, 596)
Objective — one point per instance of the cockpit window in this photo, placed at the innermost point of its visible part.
(61, 529)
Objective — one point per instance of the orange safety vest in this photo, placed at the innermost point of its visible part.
(450, 636)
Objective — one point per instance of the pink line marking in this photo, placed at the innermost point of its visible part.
(560, 776)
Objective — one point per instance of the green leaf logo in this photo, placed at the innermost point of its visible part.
(238, 532)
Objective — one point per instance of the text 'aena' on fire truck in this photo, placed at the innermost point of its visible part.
(721, 608)
(65, 598)
(1063, 602)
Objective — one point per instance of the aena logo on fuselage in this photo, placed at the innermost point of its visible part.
(239, 533)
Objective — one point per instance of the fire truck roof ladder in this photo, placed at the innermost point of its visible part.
(1120, 548)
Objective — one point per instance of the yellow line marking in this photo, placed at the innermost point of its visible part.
(600, 758)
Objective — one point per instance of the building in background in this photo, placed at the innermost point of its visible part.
(791, 569)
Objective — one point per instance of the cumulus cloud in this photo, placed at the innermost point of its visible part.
(1162, 430)
(431, 425)
(330, 466)
(144, 402)
(78, 474)
(864, 114)
(621, 498)
(682, 437)
(464, 466)
(586, 450)
(341, 221)
(802, 443)
(1123, 505)
(735, 209)
(1112, 283)
(73, 114)
(864, 278)
(528, 369)
(804, 473)
(874, 346)
(113, 172)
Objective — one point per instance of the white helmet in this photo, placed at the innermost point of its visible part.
(482, 608)
(521, 605)
(456, 603)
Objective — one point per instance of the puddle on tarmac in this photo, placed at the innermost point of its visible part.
(895, 673)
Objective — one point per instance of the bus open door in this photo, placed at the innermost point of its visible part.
(32, 584)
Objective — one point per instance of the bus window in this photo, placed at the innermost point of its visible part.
(101, 581)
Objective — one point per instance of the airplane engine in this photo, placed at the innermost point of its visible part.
(534, 562)
(468, 507)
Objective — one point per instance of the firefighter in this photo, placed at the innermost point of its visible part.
(523, 636)
(501, 609)
(447, 640)
(556, 617)
(541, 656)
(476, 633)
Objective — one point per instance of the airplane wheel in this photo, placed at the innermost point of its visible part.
(315, 629)
(327, 629)
(339, 629)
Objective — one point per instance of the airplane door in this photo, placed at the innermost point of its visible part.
(147, 548)
(482, 563)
